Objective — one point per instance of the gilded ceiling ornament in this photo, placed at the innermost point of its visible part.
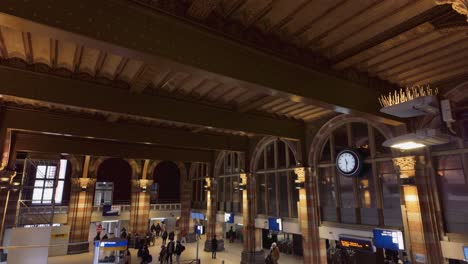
(461, 6)
(405, 163)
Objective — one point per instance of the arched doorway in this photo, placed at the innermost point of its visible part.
(166, 186)
(119, 173)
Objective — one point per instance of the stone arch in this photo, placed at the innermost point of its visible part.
(266, 141)
(136, 168)
(219, 162)
(76, 167)
(94, 166)
(336, 122)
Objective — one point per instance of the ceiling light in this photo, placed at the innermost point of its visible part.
(4, 179)
(408, 145)
(422, 138)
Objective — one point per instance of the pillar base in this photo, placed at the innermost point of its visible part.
(79, 248)
(208, 245)
(255, 257)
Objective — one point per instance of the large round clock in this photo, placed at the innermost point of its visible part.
(349, 163)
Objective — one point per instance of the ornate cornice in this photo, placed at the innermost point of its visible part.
(461, 6)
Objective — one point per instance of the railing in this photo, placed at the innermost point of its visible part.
(47, 210)
(165, 207)
(123, 208)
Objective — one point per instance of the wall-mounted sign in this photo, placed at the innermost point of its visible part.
(229, 218)
(120, 244)
(200, 230)
(110, 210)
(275, 224)
(388, 239)
(361, 244)
(196, 215)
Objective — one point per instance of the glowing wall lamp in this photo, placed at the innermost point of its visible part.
(419, 139)
(84, 184)
(144, 183)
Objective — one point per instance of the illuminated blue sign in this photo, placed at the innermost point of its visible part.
(388, 239)
(275, 224)
(110, 244)
(465, 251)
(195, 215)
(200, 230)
(229, 218)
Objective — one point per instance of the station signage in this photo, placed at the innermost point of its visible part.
(275, 224)
(388, 239)
(195, 215)
(360, 244)
(200, 230)
(229, 218)
(112, 245)
(110, 210)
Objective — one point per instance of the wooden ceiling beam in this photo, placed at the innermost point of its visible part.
(57, 90)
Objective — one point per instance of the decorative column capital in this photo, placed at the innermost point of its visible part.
(405, 163)
(83, 183)
(461, 6)
(302, 173)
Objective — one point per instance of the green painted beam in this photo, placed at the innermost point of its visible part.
(129, 25)
(29, 142)
(48, 88)
(41, 122)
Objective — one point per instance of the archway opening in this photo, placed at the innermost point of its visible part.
(166, 186)
(119, 173)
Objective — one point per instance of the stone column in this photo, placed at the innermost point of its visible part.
(309, 218)
(252, 249)
(141, 202)
(211, 209)
(80, 208)
(421, 232)
(185, 203)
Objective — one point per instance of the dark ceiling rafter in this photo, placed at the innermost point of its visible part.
(25, 84)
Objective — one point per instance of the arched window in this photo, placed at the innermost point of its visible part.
(166, 185)
(119, 173)
(199, 172)
(274, 172)
(358, 200)
(229, 196)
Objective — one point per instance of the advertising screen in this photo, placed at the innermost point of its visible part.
(465, 251)
(275, 224)
(388, 239)
(229, 218)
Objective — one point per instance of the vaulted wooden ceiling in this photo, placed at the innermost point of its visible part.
(403, 42)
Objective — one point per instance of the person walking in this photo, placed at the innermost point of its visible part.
(275, 254)
(231, 235)
(162, 255)
(183, 235)
(170, 251)
(178, 251)
(153, 228)
(164, 237)
(157, 229)
(214, 247)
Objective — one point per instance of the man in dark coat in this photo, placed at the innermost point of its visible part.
(214, 247)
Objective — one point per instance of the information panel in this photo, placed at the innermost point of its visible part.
(196, 215)
(229, 218)
(200, 230)
(357, 243)
(275, 224)
(388, 239)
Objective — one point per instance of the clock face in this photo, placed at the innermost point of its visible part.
(348, 163)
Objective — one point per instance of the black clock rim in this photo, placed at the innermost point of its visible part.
(358, 166)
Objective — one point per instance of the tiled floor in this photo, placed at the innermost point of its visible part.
(231, 255)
